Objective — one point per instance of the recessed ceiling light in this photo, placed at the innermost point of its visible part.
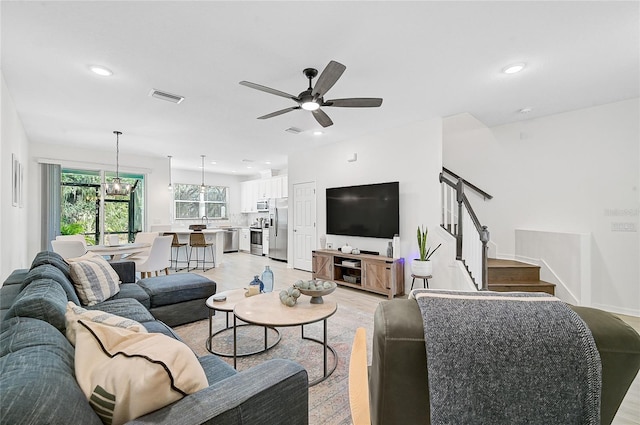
(318, 133)
(249, 167)
(101, 70)
(525, 110)
(267, 162)
(213, 162)
(513, 68)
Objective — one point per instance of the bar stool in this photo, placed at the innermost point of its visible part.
(425, 280)
(197, 240)
(175, 243)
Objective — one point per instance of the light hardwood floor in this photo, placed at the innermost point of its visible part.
(238, 270)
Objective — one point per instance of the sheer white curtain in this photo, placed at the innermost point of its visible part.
(50, 204)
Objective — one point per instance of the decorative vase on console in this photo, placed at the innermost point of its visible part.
(323, 242)
(346, 249)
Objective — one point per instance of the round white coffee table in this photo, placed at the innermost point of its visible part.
(267, 310)
(233, 297)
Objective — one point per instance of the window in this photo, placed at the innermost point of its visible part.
(191, 204)
(85, 211)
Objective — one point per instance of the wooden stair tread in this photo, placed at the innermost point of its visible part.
(521, 283)
(496, 263)
(511, 275)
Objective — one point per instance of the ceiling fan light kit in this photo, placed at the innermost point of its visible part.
(313, 97)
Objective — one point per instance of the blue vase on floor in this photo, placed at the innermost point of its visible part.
(267, 279)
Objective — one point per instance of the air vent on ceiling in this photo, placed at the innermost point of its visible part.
(163, 95)
(293, 130)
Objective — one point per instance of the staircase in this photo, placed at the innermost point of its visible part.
(514, 276)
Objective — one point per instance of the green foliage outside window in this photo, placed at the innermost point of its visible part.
(80, 198)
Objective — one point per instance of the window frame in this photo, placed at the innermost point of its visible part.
(201, 201)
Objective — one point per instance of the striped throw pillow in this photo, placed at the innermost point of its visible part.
(75, 313)
(94, 279)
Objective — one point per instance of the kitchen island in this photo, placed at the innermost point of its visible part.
(215, 236)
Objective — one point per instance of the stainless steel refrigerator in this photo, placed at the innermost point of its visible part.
(278, 228)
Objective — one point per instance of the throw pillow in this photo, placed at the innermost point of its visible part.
(125, 374)
(94, 279)
(75, 313)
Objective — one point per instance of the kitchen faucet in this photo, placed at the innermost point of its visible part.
(204, 219)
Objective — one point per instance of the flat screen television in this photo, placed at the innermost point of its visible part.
(371, 210)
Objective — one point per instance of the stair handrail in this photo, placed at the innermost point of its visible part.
(458, 232)
(484, 194)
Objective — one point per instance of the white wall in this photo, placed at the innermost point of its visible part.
(13, 220)
(574, 172)
(409, 154)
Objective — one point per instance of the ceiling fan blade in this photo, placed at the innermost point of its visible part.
(280, 112)
(322, 118)
(268, 90)
(355, 102)
(328, 78)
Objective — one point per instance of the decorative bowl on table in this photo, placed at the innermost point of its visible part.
(315, 288)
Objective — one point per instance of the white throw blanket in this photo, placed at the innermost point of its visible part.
(508, 358)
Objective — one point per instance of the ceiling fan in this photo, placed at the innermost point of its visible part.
(313, 98)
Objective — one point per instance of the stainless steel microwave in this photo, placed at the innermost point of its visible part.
(263, 205)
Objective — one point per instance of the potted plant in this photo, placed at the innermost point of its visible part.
(422, 266)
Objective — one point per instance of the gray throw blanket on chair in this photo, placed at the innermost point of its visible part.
(508, 358)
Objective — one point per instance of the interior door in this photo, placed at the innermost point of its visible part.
(304, 225)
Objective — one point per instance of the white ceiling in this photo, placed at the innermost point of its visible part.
(425, 59)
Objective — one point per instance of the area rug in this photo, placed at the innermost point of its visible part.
(328, 400)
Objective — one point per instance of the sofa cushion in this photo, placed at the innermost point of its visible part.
(75, 313)
(215, 368)
(132, 290)
(126, 269)
(8, 295)
(15, 277)
(94, 279)
(37, 376)
(43, 299)
(50, 257)
(176, 288)
(162, 328)
(110, 362)
(47, 271)
(126, 307)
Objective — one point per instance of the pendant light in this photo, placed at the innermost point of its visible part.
(116, 187)
(170, 181)
(202, 187)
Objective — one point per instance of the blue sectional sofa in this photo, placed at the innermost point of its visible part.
(37, 377)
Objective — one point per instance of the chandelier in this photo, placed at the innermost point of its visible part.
(116, 187)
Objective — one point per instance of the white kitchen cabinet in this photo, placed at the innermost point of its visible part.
(245, 240)
(252, 191)
(245, 197)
